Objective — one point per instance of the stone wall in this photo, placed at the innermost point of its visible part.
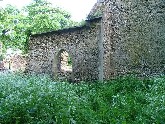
(128, 39)
(80, 42)
(15, 62)
(134, 39)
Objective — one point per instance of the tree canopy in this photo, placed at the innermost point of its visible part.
(37, 17)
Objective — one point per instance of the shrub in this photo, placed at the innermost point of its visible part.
(26, 99)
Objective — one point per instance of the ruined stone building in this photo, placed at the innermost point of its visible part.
(119, 37)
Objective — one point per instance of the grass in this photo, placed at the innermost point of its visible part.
(26, 99)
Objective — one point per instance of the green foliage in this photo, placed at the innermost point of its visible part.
(10, 23)
(1, 57)
(37, 99)
(44, 17)
(37, 17)
(69, 61)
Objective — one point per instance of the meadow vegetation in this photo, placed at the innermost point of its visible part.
(31, 99)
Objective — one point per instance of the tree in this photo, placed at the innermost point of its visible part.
(43, 17)
(11, 27)
(37, 17)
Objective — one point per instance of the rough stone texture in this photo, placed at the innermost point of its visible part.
(130, 38)
(134, 36)
(16, 62)
(96, 11)
(134, 39)
(80, 42)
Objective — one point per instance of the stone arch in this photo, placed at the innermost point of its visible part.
(63, 65)
(64, 61)
(83, 45)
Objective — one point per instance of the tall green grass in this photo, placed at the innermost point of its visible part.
(26, 99)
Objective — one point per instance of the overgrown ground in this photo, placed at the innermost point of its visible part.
(39, 100)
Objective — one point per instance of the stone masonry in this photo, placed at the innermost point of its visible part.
(80, 42)
(120, 37)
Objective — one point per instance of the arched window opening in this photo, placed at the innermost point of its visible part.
(65, 62)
